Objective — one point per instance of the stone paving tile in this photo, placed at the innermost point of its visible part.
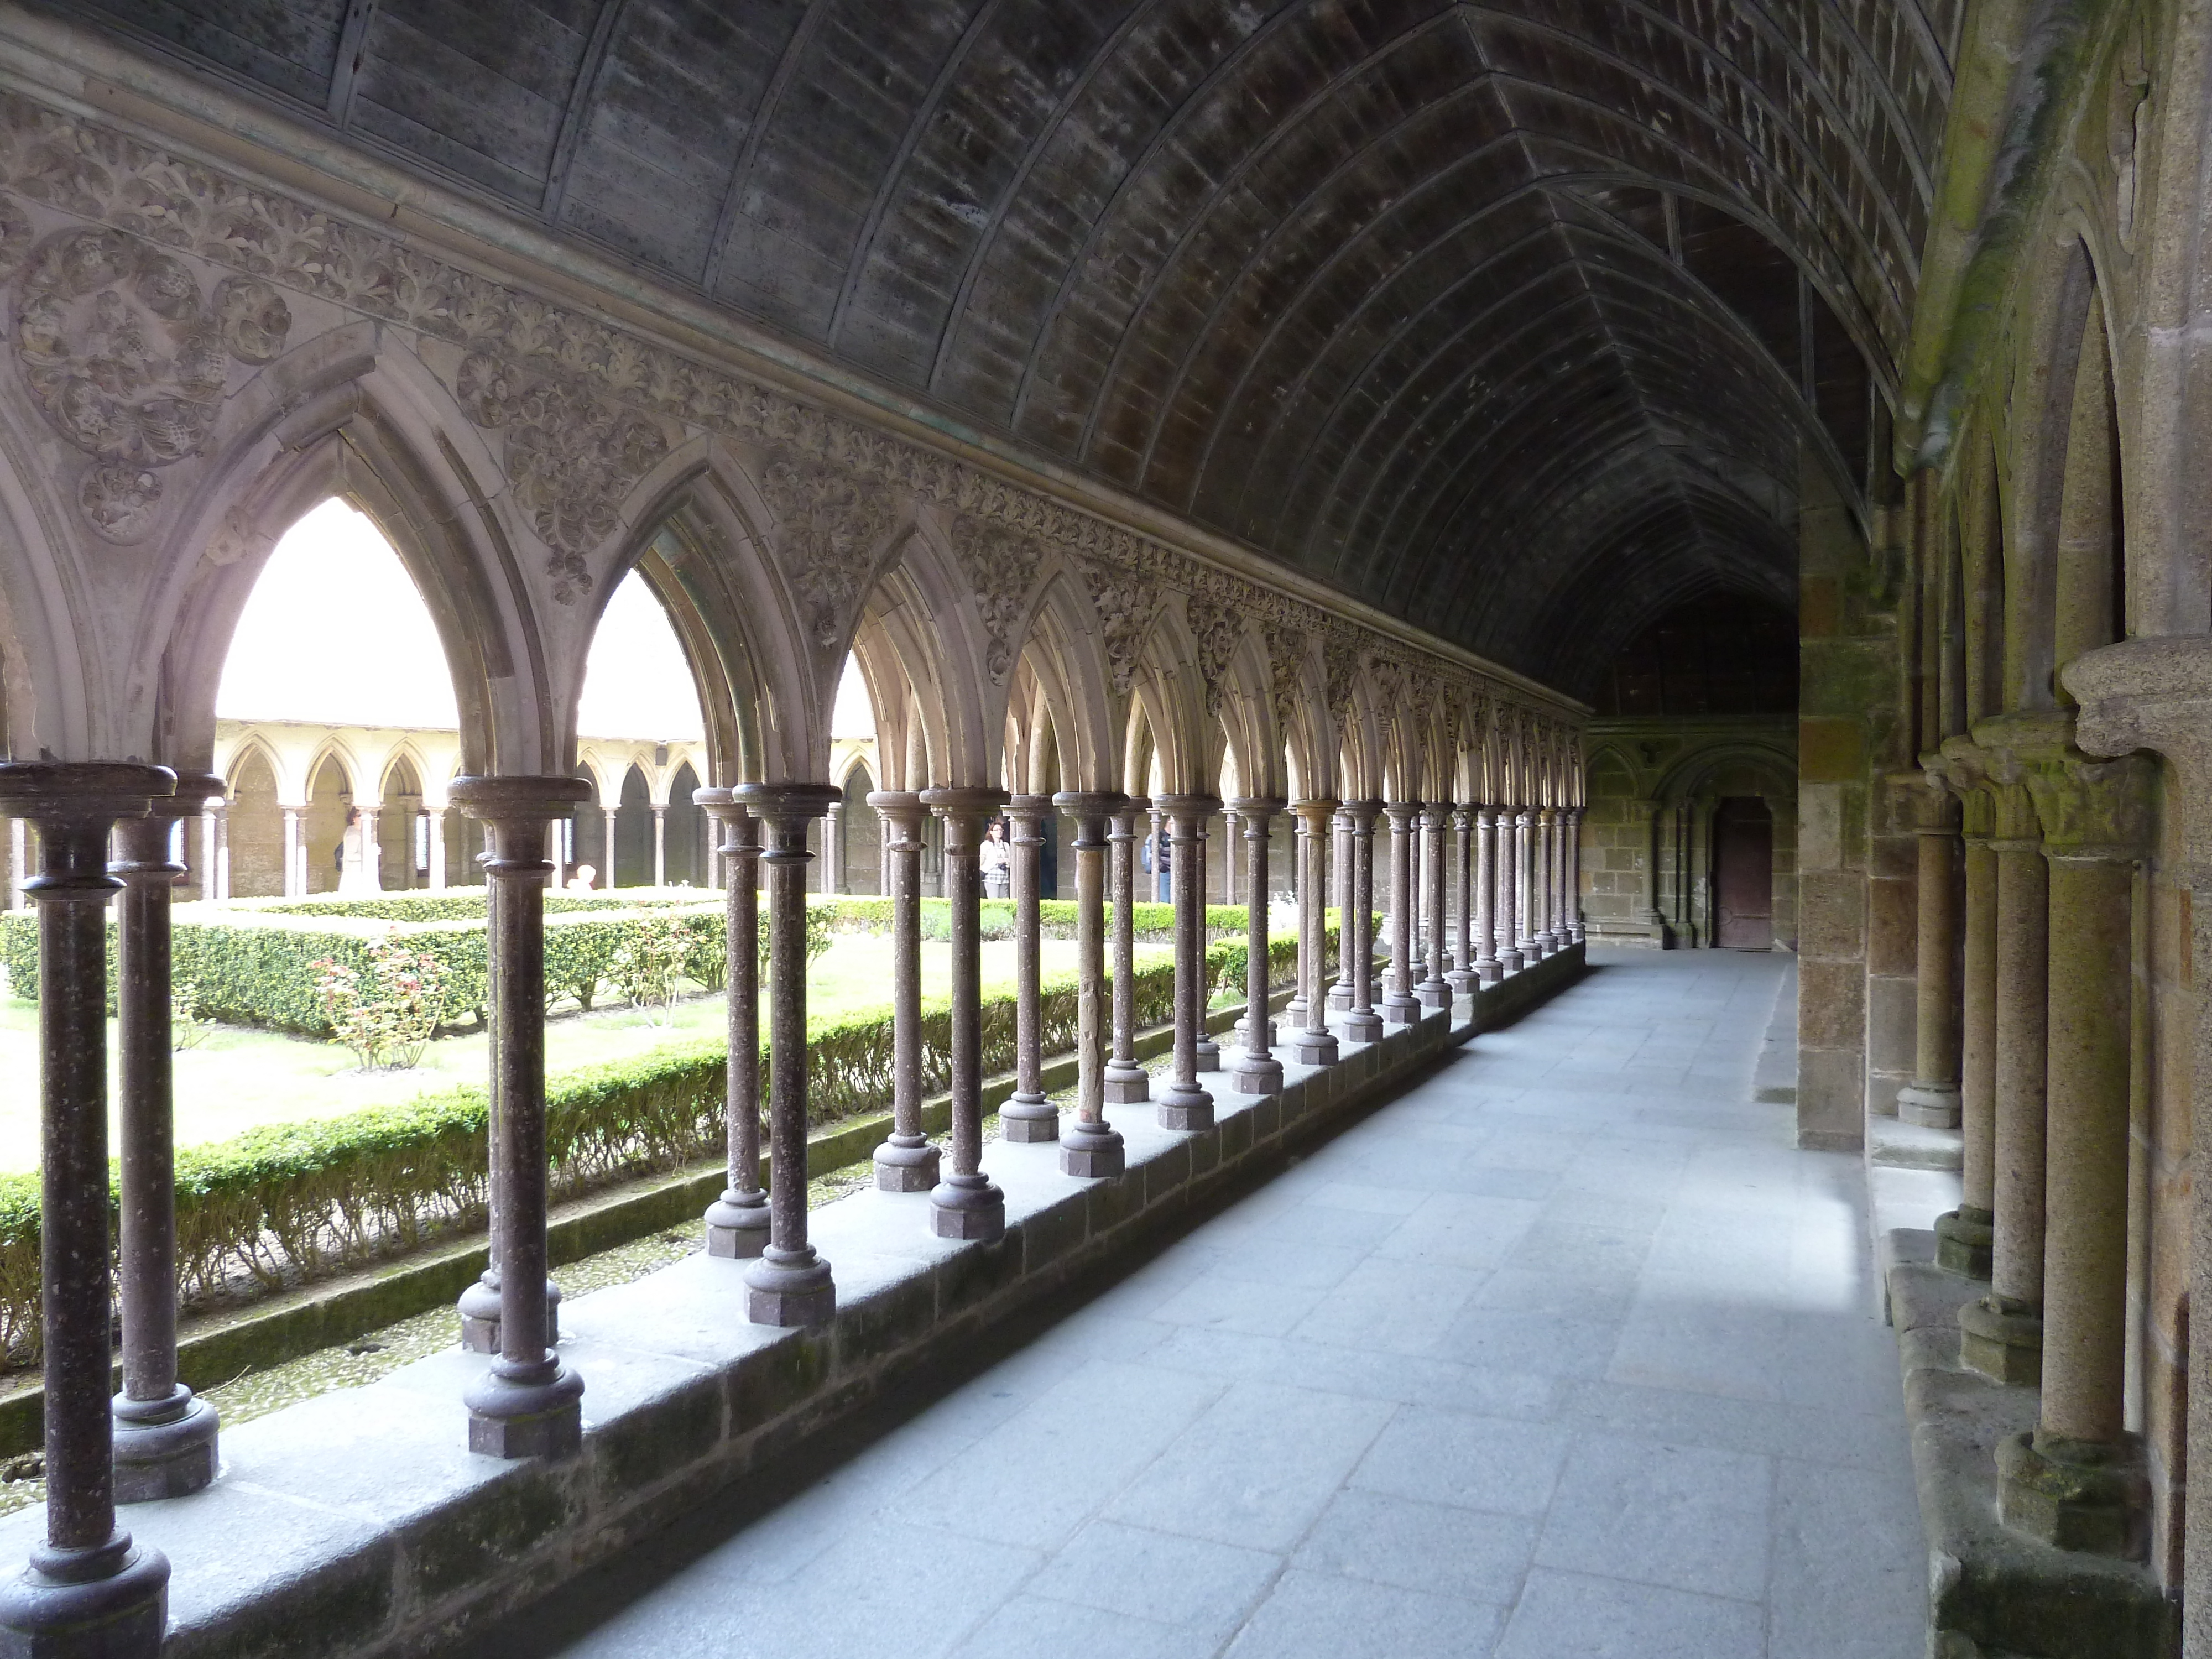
(1567, 1354)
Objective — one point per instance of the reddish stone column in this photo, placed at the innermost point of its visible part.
(1256, 1070)
(1312, 1043)
(1463, 978)
(165, 1438)
(1184, 1104)
(87, 1590)
(1512, 839)
(1433, 992)
(1342, 865)
(1361, 1023)
(966, 1203)
(1488, 969)
(789, 1283)
(1027, 1115)
(1400, 1005)
(738, 1222)
(528, 1404)
(1126, 1082)
(1090, 1146)
(906, 1162)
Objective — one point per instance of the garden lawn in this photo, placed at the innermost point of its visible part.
(241, 1077)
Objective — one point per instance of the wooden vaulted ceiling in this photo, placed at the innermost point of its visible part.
(1511, 318)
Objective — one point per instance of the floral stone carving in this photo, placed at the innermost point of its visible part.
(999, 562)
(128, 360)
(571, 458)
(831, 527)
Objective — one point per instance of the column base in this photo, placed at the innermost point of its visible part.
(1185, 1109)
(163, 1448)
(1339, 998)
(1462, 982)
(967, 1206)
(1488, 970)
(1241, 1033)
(1127, 1084)
(903, 1168)
(737, 1225)
(479, 1311)
(1362, 1026)
(1256, 1074)
(1209, 1054)
(108, 1602)
(1090, 1154)
(2004, 1344)
(1932, 1106)
(2074, 1495)
(1964, 1239)
(787, 1288)
(539, 1415)
(1027, 1119)
(1399, 1010)
(1511, 961)
(1313, 1047)
(1433, 994)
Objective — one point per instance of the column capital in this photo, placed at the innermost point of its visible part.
(1317, 810)
(59, 792)
(1186, 808)
(967, 802)
(1361, 815)
(1402, 812)
(901, 806)
(2154, 694)
(1930, 803)
(1088, 807)
(785, 803)
(1261, 807)
(1027, 814)
(499, 799)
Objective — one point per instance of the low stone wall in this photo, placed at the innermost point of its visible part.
(1994, 1593)
(356, 1525)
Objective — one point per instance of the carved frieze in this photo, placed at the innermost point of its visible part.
(571, 458)
(128, 360)
(1126, 605)
(1217, 627)
(1000, 563)
(830, 530)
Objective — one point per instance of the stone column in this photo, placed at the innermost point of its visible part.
(1400, 1005)
(1312, 1043)
(1528, 900)
(1361, 1023)
(833, 848)
(1027, 1115)
(1158, 889)
(557, 854)
(165, 1439)
(906, 1162)
(528, 1404)
(296, 854)
(2077, 1481)
(660, 847)
(1208, 1051)
(19, 842)
(211, 865)
(1433, 992)
(1488, 969)
(1541, 907)
(1577, 932)
(1184, 1105)
(1464, 978)
(2001, 1336)
(966, 1204)
(222, 817)
(1091, 1147)
(787, 1284)
(1126, 1080)
(737, 1222)
(1963, 1236)
(1341, 863)
(87, 1590)
(1510, 958)
(607, 876)
(1932, 1097)
(1256, 1070)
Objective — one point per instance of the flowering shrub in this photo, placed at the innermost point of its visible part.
(645, 966)
(388, 1014)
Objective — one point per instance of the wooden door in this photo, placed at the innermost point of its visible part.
(1743, 874)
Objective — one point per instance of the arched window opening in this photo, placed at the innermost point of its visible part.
(633, 858)
(684, 833)
(255, 828)
(403, 830)
(862, 854)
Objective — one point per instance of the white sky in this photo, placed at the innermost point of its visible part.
(336, 631)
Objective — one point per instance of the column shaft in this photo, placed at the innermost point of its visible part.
(1126, 1080)
(966, 1204)
(1486, 966)
(1312, 1043)
(1341, 864)
(1932, 1098)
(1964, 1237)
(1400, 1005)
(1091, 1147)
(1028, 1116)
(906, 1162)
(1256, 1070)
(1361, 1023)
(1510, 831)
(737, 1221)
(1463, 978)
(789, 1283)
(1184, 1104)
(1433, 992)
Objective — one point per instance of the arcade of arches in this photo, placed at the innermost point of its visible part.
(1598, 487)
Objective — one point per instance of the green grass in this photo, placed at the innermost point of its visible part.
(239, 1079)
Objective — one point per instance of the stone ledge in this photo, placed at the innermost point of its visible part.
(1993, 1594)
(356, 1525)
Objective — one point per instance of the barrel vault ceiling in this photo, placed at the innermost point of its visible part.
(1509, 318)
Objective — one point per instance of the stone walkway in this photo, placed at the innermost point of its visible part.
(1566, 1354)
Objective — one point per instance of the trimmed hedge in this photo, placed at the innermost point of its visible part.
(297, 1201)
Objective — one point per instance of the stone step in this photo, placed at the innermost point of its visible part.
(1897, 1145)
